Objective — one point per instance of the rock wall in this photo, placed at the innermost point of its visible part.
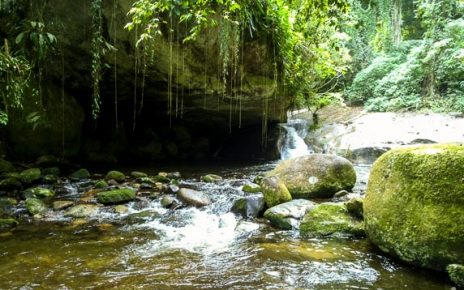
(206, 118)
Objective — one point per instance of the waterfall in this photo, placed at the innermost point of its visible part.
(292, 142)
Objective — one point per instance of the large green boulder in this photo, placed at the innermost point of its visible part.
(116, 196)
(414, 204)
(330, 219)
(38, 192)
(315, 175)
(35, 206)
(80, 174)
(30, 175)
(274, 190)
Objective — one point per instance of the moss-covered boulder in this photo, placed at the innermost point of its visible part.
(80, 174)
(250, 206)
(6, 166)
(251, 188)
(274, 190)
(138, 174)
(456, 273)
(10, 183)
(30, 175)
(101, 184)
(55, 171)
(355, 207)
(315, 175)
(116, 196)
(6, 224)
(35, 206)
(287, 215)
(414, 204)
(330, 219)
(38, 192)
(82, 211)
(115, 175)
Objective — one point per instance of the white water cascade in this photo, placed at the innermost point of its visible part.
(292, 143)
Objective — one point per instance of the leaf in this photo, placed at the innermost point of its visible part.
(19, 38)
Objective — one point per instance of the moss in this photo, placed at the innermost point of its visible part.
(6, 166)
(101, 184)
(55, 171)
(81, 210)
(330, 219)
(251, 188)
(274, 190)
(456, 273)
(211, 178)
(10, 183)
(315, 175)
(30, 175)
(116, 196)
(138, 174)
(355, 207)
(115, 175)
(35, 206)
(414, 204)
(80, 174)
(38, 192)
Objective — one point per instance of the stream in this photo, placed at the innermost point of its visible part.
(151, 247)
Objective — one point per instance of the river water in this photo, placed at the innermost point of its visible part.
(150, 247)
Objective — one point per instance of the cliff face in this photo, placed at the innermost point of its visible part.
(183, 108)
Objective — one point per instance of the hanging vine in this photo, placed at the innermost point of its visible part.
(97, 52)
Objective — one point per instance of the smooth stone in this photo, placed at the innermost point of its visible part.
(252, 206)
(287, 215)
(80, 174)
(251, 188)
(116, 196)
(115, 175)
(355, 207)
(211, 178)
(30, 175)
(138, 174)
(82, 211)
(193, 197)
(62, 204)
(167, 201)
(341, 193)
(274, 190)
(121, 209)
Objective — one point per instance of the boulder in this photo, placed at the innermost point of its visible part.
(355, 207)
(80, 174)
(365, 155)
(456, 273)
(6, 166)
(138, 174)
(38, 192)
(35, 206)
(116, 196)
(115, 175)
(167, 201)
(249, 207)
(274, 190)
(287, 215)
(316, 175)
(10, 183)
(193, 197)
(55, 171)
(414, 204)
(251, 188)
(330, 219)
(49, 179)
(30, 175)
(121, 209)
(101, 184)
(82, 211)
(211, 178)
(7, 204)
(47, 160)
(62, 204)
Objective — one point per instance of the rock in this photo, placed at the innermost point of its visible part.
(365, 155)
(138, 174)
(6, 224)
(6, 203)
(80, 174)
(6, 166)
(287, 215)
(274, 190)
(146, 180)
(414, 204)
(38, 192)
(422, 141)
(161, 177)
(172, 188)
(10, 183)
(55, 171)
(251, 188)
(82, 211)
(341, 193)
(50, 179)
(355, 207)
(193, 197)
(456, 273)
(62, 204)
(173, 175)
(116, 196)
(101, 184)
(250, 207)
(315, 175)
(35, 206)
(47, 160)
(115, 175)
(167, 201)
(146, 186)
(121, 209)
(211, 178)
(113, 182)
(30, 175)
(330, 219)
